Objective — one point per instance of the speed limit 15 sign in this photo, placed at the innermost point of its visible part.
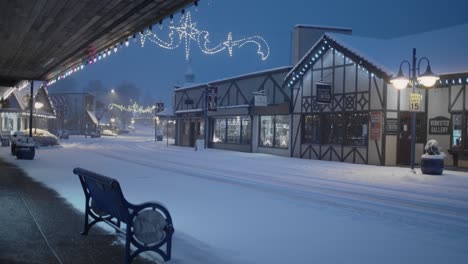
(415, 102)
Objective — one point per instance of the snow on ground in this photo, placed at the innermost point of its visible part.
(232, 207)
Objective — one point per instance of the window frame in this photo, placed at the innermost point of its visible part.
(274, 120)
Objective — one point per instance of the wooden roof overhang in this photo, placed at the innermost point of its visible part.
(41, 39)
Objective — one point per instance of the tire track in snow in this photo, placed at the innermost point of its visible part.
(438, 214)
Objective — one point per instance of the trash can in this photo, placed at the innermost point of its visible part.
(25, 148)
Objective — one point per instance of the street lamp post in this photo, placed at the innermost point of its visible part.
(37, 106)
(427, 79)
(112, 123)
(156, 128)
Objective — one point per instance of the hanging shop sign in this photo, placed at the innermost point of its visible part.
(260, 98)
(391, 126)
(324, 93)
(415, 102)
(159, 107)
(376, 125)
(212, 99)
(439, 126)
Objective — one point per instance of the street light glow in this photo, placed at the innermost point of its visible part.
(38, 105)
(400, 81)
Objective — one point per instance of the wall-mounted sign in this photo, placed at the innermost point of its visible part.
(375, 125)
(391, 126)
(212, 99)
(439, 126)
(188, 101)
(324, 93)
(159, 107)
(415, 102)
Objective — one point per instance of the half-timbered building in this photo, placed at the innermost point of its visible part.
(14, 108)
(345, 109)
(251, 115)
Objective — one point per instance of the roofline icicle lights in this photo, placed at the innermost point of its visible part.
(187, 31)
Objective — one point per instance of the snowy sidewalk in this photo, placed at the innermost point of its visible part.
(37, 226)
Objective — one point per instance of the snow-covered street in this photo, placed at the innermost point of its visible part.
(232, 207)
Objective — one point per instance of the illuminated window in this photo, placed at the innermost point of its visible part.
(274, 131)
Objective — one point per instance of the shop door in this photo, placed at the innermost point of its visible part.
(404, 139)
(192, 134)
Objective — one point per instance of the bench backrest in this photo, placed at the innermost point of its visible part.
(105, 193)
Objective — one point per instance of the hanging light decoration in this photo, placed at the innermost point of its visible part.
(187, 32)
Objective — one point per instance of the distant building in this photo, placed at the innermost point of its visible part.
(15, 110)
(252, 113)
(75, 112)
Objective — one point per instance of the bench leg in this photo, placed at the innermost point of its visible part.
(127, 245)
(86, 219)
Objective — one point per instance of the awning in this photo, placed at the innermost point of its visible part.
(41, 39)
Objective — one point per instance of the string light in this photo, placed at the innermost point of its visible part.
(187, 31)
(134, 108)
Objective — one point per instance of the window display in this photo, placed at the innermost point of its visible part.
(232, 130)
(336, 129)
(246, 130)
(311, 129)
(332, 129)
(274, 131)
(356, 129)
(219, 135)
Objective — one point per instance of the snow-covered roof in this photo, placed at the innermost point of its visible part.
(92, 116)
(5, 91)
(445, 49)
(324, 27)
(188, 86)
(251, 74)
(166, 112)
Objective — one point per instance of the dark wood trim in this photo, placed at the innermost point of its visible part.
(378, 92)
(456, 99)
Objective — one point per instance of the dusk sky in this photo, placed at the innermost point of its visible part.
(157, 70)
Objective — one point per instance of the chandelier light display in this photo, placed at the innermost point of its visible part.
(187, 32)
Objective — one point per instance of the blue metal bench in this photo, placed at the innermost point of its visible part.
(148, 225)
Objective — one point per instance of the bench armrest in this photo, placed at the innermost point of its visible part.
(135, 209)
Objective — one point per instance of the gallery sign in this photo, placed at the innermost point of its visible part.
(324, 93)
(439, 126)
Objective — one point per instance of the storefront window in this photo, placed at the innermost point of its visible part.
(356, 129)
(246, 130)
(311, 129)
(274, 131)
(332, 129)
(266, 131)
(233, 130)
(457, 129)
(282, 131)
(219, 135)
